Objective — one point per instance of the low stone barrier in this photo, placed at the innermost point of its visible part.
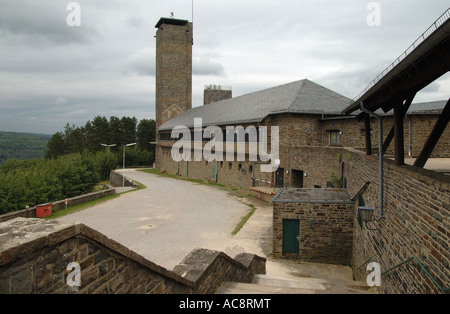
(117, 180)
(31, 212)
(41, 256)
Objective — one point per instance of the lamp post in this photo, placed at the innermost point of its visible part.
(123, 174)
(108, 146)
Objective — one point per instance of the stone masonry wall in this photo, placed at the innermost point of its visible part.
(31, 212)
(353, 134)
(416, 223)
(34, 255)
(325, 231)
(304, 146)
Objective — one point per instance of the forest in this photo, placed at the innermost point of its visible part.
(75, 160)
(22, 145)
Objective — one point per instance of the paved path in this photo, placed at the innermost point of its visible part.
(168, 219)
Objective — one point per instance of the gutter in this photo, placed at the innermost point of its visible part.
(380, 157)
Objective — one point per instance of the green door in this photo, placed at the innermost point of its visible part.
(213, 172)
(291, 233)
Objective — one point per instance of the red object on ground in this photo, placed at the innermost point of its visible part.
(43, 210)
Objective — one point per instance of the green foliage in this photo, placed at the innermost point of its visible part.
(103, 131)
(34, 182)
(74, 160)
(336, 180)
(22, 145)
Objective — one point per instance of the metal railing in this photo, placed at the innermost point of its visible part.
(414, 258)
(441, 20)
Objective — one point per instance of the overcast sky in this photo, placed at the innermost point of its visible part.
(52, 73)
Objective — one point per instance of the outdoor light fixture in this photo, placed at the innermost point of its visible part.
(108, 146)
(123, 174)
(366, 214)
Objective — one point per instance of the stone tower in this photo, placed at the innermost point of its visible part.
(174, 40)
(214, 93)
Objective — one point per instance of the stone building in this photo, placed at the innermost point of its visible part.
(308, 115)
(313, 225)
(320, 148)
(215, 93)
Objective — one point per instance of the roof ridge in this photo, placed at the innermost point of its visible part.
(298, 93)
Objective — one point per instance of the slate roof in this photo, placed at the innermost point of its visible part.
(429, 107)
(301, 97)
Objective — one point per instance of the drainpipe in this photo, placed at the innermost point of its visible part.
(410, 136)
(380, 156)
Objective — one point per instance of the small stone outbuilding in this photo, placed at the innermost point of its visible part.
(313, 225)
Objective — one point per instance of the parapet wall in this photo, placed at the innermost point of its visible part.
(117, 179)
(31, 212)
(416, 224)
(35, 253)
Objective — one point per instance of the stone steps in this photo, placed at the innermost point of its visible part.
(264, 284)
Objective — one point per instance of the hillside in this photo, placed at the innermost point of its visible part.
(22, 145)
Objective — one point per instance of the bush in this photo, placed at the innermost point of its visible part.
(34, 182)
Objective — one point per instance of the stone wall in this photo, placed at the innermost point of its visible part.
(31, 212)
(304, 147)
(213, 93)
(34, 255)
(326, 227)
(353, 134)
(416, 223)
(117, 179)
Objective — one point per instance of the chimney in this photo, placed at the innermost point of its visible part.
(215, 93)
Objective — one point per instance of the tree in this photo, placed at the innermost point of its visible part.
(55, 146)
(128, 129)
(146, 133)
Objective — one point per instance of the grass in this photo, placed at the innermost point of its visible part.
(244, 219)
(72, 209)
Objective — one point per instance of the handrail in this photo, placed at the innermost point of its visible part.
(407, 261)
(422, 267)
(441, 20)
(371, 258)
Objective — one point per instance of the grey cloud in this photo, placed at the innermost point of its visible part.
(40, 22)
(141, 62)
(204, 66)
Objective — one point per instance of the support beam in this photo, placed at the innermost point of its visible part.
(368, 135)
(399, 134)
(405, 109)
(434, 137)
(388, 140)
